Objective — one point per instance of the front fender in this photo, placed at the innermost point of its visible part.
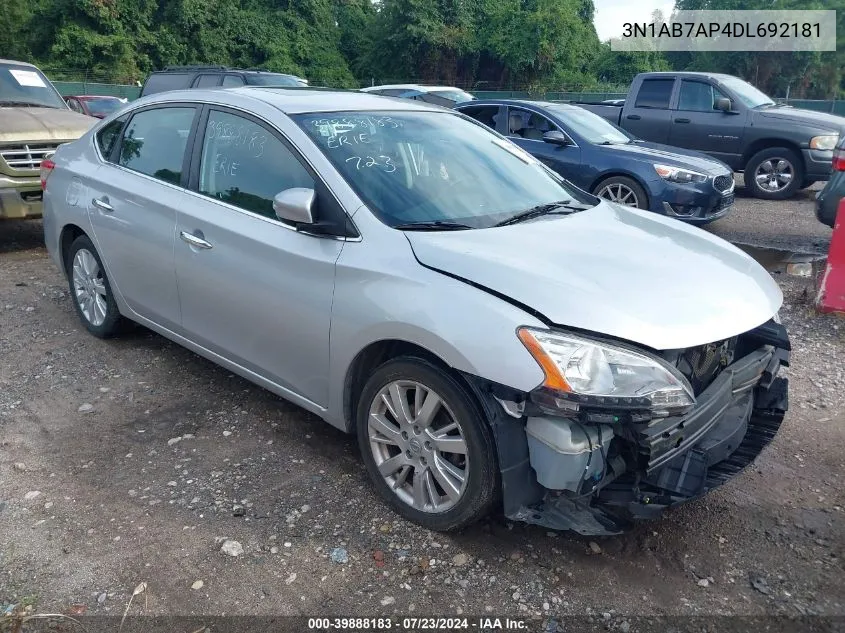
(469, 329)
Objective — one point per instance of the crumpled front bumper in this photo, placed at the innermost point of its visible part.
(659, 463)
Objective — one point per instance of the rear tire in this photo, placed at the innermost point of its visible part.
(775, 173)
(90, 290)
(432, 460)
(622, 190)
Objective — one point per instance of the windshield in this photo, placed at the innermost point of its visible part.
(458, 96)
(591, 127)
(745, 92)
(425, 167)
(25, 85)
(270, 79)
(102, 107)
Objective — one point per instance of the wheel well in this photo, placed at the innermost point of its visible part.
(69, 233)
(766, 143)
(367, 360)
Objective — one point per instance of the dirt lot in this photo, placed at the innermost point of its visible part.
(133, 460)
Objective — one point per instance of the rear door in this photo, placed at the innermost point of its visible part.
(698, 124)
(252, 288)
(648, 116)
(133, 206)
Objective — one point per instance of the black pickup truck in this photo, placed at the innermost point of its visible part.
(781, 149)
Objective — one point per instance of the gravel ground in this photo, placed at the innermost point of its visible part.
(789, 225)
(134, 460)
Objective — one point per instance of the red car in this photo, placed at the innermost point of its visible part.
(94, 105)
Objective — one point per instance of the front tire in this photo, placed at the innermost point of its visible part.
(426, 444)
(90, 290)
(775, 173)
(622, 190)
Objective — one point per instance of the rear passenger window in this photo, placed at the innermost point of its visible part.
(483, 114)
(154, 142)
(229, 81)
(207, 81)
(161, 82)
(655, 93)
(108, 136)
(246, 165)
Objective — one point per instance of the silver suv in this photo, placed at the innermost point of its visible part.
(490, 333)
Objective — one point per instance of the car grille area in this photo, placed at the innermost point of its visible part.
(724, 184)
(26, 157)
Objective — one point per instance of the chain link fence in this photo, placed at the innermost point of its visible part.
(73, 82)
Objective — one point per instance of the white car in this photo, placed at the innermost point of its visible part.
(446, 96)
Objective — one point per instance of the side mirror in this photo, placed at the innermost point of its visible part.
(556, 137)
(295, 205)
(723, 104)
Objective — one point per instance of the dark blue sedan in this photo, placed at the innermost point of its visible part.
(600, 158)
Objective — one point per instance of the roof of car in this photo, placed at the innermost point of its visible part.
(294, 100)
(419, 87)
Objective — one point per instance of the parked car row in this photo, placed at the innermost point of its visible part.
(493, 335)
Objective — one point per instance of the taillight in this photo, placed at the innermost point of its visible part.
(47, 167)
(839, 160)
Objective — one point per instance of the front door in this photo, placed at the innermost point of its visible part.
(133, 201)
(526, 129)
(252, 288)
(698, 124)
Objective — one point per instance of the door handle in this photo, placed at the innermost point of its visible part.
(102, 203)
(681, 120)
(193, 240)
(634, 117)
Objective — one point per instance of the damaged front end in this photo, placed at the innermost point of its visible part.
(595, 464)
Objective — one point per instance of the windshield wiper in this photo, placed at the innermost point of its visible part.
(25, 104)
(433, 225)
(562, 207)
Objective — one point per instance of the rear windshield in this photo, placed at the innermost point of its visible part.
(271, 79)
(27, 86)
(457, 96)
(160, 82)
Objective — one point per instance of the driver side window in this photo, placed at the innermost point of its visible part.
(697, 96)
(528, 125)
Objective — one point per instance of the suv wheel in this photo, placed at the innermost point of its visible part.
(90, 289)
(426, 444)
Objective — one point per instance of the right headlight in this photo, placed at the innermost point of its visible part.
(579, 371)
(824, 142)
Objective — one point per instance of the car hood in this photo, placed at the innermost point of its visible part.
(24, 125)
(665, 155)
(821, 119)
(615, 271)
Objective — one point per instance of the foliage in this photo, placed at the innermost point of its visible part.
(509, 44)
(815, 75)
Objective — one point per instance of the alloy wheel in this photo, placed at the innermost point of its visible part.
(774, 174)
(418, 446)
(89, 287)
(619, 193)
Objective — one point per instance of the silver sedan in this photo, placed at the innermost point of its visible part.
(494, 336)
